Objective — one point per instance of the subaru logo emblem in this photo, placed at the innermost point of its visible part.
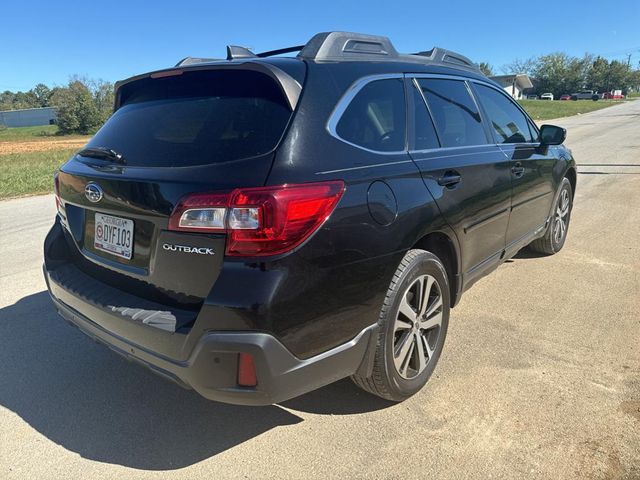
(93, 192)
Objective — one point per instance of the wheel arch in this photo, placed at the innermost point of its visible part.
(443, 246)
(572, 176)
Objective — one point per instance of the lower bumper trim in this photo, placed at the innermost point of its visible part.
(211, 368)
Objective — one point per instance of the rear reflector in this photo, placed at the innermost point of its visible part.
(260, 221)
(246, 371)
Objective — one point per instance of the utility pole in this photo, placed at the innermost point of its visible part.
(629, 60)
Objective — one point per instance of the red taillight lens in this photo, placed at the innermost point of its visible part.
(260, 221)
(246, 371)
(288, 215)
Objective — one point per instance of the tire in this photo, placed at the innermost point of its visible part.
(556, 234)
(399, 372)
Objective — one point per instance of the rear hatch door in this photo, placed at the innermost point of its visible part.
(178, 133)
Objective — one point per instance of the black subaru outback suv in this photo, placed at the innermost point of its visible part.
(258, 227)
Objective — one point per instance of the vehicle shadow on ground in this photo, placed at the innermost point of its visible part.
(85, 398)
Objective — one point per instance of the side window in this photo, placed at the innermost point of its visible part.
(424, 133)
(454, 112)
(375, 118)
(507, 121)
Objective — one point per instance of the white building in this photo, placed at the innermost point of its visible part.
(514, 85)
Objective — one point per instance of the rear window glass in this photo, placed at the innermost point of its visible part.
(196, 118)
(375, 118)
(454, 112)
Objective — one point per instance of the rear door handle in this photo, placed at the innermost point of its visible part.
(517, 170)
(450, 179)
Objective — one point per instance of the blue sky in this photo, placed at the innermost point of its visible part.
(49, 41)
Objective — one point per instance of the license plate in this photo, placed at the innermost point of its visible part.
(114, 235)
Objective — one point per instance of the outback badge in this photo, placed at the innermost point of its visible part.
(188, 249)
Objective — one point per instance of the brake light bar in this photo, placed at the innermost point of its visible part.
(259, 221)
(166, 73)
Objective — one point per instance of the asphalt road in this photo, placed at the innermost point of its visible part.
(540, 376)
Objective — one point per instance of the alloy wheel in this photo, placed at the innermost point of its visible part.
(562, 213)
(417, 326)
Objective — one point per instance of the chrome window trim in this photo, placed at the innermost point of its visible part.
(360, 167)
(448, 149)
(346, 100)
(354, 89)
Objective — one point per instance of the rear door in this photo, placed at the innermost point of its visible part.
(180, 133)
(531, 164)
(469, 178)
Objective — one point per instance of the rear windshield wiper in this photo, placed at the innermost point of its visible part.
(102, 153)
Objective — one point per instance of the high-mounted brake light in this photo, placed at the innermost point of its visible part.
(166, 73)
(260, 221)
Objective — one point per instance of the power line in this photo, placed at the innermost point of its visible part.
(625, 51)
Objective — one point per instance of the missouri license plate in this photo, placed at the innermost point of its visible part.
(114, 235)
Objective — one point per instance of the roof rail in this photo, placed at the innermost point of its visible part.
(280, 51)
(441, 55)
(345, 46)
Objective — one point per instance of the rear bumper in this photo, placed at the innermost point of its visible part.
(211, 368)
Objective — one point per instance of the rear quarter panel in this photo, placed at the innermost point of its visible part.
(334, 285)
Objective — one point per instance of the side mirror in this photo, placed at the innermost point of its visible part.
(552, 135)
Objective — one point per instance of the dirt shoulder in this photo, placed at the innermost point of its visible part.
(41, 145)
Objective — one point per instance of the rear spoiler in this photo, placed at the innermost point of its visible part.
(290, 87)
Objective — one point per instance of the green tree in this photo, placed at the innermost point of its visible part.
(42, 94)
(619, 77)
(77, 112)
(6, 100)
(520, 66)
(486, 69)
(103, 97)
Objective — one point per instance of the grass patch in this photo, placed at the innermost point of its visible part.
(30, 173)
(633, 95)
(545, 109)
(31, 134)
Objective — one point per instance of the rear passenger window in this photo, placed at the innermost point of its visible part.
(454, 112)
(424, 132)
(375, 118)
(507, 121)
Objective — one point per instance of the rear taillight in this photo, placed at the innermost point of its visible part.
(200, 212)
(259, 221)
